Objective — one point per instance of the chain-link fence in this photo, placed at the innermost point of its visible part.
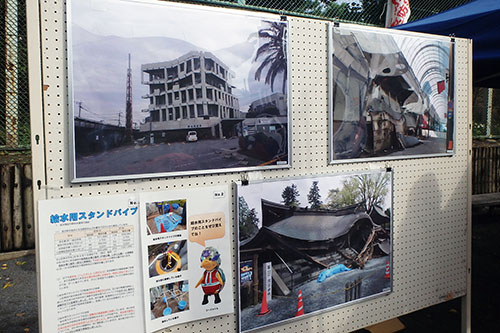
(486, 112)
(371, 12)
(14, 95)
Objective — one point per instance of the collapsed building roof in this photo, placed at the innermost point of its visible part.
(378, 215)
(316, 227)
(304, 224)
(315, 235)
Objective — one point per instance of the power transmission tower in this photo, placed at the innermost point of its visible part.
(128, 107)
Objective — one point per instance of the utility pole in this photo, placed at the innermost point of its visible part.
(119, 118)
(79, 109)
(128, 105)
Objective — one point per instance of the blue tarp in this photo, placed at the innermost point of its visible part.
(478, 20)
(332, 271)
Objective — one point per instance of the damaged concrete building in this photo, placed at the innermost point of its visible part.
(381, 103)
(192, 92)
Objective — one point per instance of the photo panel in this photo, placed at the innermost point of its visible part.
(391, 94)
(167, 258)
(166, 216)
(157, 95)
(169, 299)
(310, 244)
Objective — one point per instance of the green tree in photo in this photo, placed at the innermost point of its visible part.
(373, 189)
(369, 190)
(346, 196)
(248, 220)
(290, 196)
(314, 198)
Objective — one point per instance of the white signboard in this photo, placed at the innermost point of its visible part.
(267, 268)
(186, 252)
(90, 265)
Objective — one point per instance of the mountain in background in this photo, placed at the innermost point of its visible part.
(100, 71)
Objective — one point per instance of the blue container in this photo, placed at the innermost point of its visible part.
(167, 311)
(181, 305)
(169, 221)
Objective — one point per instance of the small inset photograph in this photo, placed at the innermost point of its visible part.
(166, 216)
(165, 258)
(169, 298)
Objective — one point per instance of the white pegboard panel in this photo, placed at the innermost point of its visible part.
(430, 194)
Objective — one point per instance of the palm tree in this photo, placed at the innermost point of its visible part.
(274, 50)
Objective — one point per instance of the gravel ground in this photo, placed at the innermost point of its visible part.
(317, 296)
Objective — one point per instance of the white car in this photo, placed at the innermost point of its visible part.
(192, 136)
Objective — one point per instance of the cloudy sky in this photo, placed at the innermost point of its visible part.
(271, 191)
(105, 31)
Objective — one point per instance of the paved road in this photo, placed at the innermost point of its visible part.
(427, 146)
(165, 157)
(18, 295)
(317, 296)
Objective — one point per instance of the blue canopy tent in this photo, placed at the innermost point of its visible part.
(478, 20)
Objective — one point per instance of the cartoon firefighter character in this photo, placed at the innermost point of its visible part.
(213, 278)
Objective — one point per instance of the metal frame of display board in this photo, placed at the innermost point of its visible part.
(432, 257)
(148, 6)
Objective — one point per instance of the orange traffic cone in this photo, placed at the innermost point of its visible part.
(387, 271)
(300, 305)
(263, 308)
(162, 228)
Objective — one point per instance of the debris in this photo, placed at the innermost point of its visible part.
(20, 314)
(4, 266)
(26, 329)
(20, 263)
(7, 285)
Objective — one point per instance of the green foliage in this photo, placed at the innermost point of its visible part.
(314, 198)
(480, 108)
(248, 220)
(370, 190)
(373, 189)
(290, 195)
(478, 129)
(348, 195)
(370, 12)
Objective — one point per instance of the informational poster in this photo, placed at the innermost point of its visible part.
(90, 265)
(186, 254)
(320, 242)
